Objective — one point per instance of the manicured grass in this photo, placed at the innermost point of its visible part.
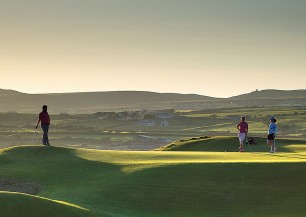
(80, 182)
(231, 144)
(17, 204)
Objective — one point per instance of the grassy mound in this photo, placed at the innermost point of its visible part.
(120, 183)
(231, 144)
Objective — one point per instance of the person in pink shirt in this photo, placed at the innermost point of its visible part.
(243, 128)
(44, 120)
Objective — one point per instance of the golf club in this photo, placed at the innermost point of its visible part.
(247, 141)
(33, 136)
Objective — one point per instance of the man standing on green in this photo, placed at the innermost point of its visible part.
(44, 119)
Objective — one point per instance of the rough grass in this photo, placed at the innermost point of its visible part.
(80, 182)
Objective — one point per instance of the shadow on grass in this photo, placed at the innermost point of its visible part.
(239, 189)
(193, 189)
(63, 175)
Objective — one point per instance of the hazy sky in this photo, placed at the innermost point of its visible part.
(210, 47)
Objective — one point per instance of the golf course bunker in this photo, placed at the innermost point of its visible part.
(27, 187)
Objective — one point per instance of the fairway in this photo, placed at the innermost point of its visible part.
(80, 182)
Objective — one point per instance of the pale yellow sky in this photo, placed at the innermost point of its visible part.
(217, 48)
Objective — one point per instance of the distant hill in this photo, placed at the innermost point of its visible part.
(4, 92)
(270, 98)
(272, 94)
(91, 102)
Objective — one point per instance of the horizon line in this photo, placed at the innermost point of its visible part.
(147, 91)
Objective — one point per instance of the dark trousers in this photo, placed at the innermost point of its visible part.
(45, 139)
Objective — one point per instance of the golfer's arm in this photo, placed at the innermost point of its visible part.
(38, 121)
(276, 131)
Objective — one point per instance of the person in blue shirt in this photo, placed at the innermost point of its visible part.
(273, 129)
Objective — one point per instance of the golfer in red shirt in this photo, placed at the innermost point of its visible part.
(44, 120)
(243, 128)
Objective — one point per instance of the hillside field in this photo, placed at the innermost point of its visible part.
(81, 182)
(91, 132)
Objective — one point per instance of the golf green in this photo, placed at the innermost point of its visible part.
(80, 182)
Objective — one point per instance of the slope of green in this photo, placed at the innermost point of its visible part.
(231, 144)
(17, 204)
(118, 183)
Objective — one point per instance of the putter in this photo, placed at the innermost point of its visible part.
(33, 136)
